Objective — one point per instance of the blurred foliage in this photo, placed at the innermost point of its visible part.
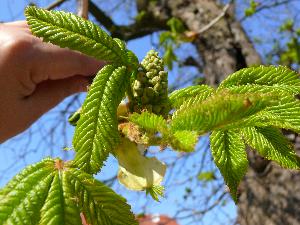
(251, 9)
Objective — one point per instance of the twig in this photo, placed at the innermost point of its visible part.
(83, 8)
(55, 4)
(215, 20)
(264, 7)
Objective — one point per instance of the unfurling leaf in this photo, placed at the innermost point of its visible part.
(150, 122)
(181, 96)
(183, 140)
(219, 111)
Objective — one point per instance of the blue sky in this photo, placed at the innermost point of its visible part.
(11, 10)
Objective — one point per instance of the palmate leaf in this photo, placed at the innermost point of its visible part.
(228, 150)
(178, 97)
(263, 75)
(220, 110)
(96, 132)
(51, 193)
(68, 30)
(272, 144)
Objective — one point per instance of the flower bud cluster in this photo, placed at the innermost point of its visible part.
(150, 89)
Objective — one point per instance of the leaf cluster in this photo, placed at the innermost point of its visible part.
(247, 109)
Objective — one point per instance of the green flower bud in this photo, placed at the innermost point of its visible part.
(149, 92)
(155, 80)
(157, 87)
(137, 85)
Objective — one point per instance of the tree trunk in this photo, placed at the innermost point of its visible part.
(268, 194)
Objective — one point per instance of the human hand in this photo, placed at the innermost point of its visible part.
(35, 76)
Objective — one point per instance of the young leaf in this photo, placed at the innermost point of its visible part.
(178, 97)
(183, 140)
(156, 192)
(149, 121)
(100, 204)
(51, 193)
(179, 140)
(255, 88)
(220, 110)
(228, 150)
(59, 207)
(285, 115)
(27, 190)
(272, 144)
(68, 30)
(96, 132)
(262, 75)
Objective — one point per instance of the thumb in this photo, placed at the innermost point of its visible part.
(49, 93)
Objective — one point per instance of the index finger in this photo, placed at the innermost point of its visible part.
(51, 62)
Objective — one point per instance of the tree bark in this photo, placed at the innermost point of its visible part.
(269, 195)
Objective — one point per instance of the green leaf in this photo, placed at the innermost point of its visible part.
(179, 140)
(96, 133)
(228, 150)
(183, 140)
(149, 121)
(206, 176)
(74, 117)
(27, 190)
(262, 75)
(255, 88)
(285, 115)
(156, 191)
(100, 204)
(50, 192)
(59, 207)
(219, 111)
(176, 25)
(68, 30)
(178, 97)
(272, 144)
